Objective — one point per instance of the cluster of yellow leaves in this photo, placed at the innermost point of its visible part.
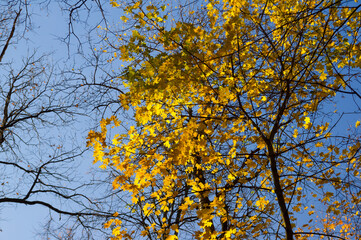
(226, 104)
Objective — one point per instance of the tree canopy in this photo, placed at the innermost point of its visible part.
(236, 131)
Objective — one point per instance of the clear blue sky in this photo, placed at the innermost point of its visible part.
(18, 221)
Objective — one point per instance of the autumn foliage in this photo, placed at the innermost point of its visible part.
(235, 132)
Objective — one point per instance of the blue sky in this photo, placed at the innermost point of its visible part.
(19, 221)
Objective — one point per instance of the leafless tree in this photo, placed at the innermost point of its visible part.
(39, 153)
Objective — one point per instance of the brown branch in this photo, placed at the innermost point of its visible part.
(320, 234)
(10, 36)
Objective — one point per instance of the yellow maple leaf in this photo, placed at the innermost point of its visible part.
(172, 237)
(307, 123)
(357, 124)
(323, 76)
(114, 3)
(261, 203)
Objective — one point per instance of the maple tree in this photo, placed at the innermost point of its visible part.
(235, 134)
